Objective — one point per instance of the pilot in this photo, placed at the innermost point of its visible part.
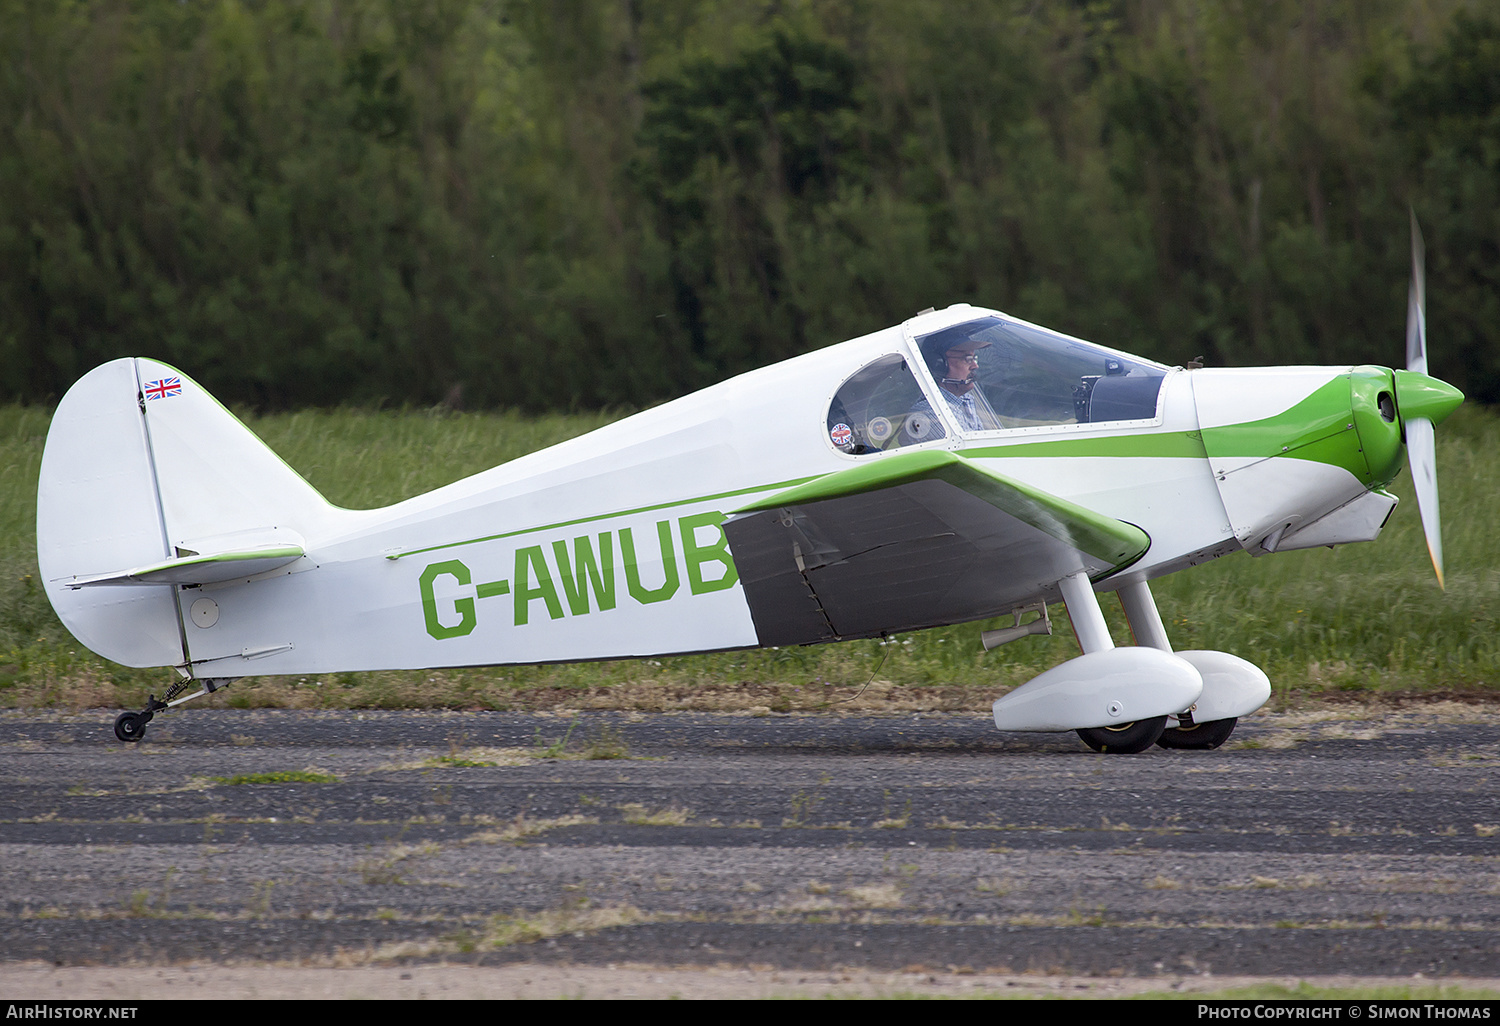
(954, 367)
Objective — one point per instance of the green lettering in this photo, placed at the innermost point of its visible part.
(493, 588)
(464, 606)
(668, 562)
(576, 584)
(526, 559)
(695, 555)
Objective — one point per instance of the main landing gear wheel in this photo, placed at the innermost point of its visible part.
(1127, 738)
(130, 726)
(1202, 736)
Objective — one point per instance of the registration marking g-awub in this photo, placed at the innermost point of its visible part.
(578, 574)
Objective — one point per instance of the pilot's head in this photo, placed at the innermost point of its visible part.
(954, 363)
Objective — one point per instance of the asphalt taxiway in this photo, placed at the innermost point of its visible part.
(1364, 845)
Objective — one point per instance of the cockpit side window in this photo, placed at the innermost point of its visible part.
(879, 409)
(1020, 376)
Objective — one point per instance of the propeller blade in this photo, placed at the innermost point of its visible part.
(1422, 400)
(1416, 303)
(1421, 454)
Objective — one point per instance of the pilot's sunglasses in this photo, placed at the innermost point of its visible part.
(970, 357)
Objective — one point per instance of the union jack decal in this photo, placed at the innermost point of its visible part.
(163, 388)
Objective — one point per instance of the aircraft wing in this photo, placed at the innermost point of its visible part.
(912, 540)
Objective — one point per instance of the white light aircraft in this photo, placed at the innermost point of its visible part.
(960, 466)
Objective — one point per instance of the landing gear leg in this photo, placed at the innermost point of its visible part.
(1083, 609)
(1093, 636)
(1146, 623)
(131, 726)
(1145, 620)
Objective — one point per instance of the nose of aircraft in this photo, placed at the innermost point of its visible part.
(1419, 395)
(1395, 412)
(1384, 403)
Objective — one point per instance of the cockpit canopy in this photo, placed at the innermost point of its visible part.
(1029, 376)
(1026, 377)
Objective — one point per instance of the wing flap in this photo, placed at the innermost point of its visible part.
(914, 540)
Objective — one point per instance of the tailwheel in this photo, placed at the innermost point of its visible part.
(1202, 736)
(1127, 738)
(130, 726)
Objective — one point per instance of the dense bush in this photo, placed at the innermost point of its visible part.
(571, 204)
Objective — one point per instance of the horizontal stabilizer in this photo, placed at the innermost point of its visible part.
(213, 568)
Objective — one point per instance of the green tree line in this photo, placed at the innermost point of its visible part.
(573, 204)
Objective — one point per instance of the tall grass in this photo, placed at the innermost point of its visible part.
(1360, 619)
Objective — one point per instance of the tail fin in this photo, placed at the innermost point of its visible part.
(147, 481)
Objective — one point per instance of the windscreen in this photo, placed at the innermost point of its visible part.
(1020, 375)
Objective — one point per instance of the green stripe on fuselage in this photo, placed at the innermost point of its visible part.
(1323, 414)
(1320, 427)
(1156, 445)
(535, 528)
